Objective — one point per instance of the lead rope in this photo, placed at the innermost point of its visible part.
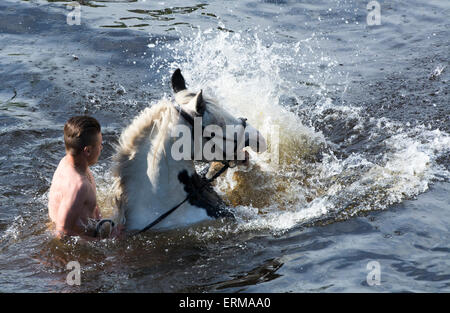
(163, 216)
(99, 225)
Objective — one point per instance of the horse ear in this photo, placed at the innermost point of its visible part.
(200, 105)
(178, 82)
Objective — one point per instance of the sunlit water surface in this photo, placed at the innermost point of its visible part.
(360, 116)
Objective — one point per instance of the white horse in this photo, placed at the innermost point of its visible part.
(149, 181)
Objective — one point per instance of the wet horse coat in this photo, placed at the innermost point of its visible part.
(148, 181)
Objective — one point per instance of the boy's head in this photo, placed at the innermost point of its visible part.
(82, 136)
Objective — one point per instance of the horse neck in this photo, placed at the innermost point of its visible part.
(169, 169)
(165, 173)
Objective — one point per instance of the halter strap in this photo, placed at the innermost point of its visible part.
(186, 115)
(190, 120)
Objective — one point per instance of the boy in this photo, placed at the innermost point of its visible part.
(72, 201)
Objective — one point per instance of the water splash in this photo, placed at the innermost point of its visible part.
(315, 178)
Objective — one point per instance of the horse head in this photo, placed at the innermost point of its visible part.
(149, 181)
(226, 136)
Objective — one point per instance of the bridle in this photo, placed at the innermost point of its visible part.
(188, 117)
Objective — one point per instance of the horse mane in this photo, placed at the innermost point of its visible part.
(152, 123)
(184, 96)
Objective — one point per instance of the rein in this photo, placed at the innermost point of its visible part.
(226, 165)
(163, 216)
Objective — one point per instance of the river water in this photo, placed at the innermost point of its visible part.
(362, 113)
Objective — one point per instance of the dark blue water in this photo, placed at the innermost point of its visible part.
(364, 155)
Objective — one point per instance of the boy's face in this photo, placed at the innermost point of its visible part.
(92, 152)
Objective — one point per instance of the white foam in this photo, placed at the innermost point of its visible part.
(250, 78)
